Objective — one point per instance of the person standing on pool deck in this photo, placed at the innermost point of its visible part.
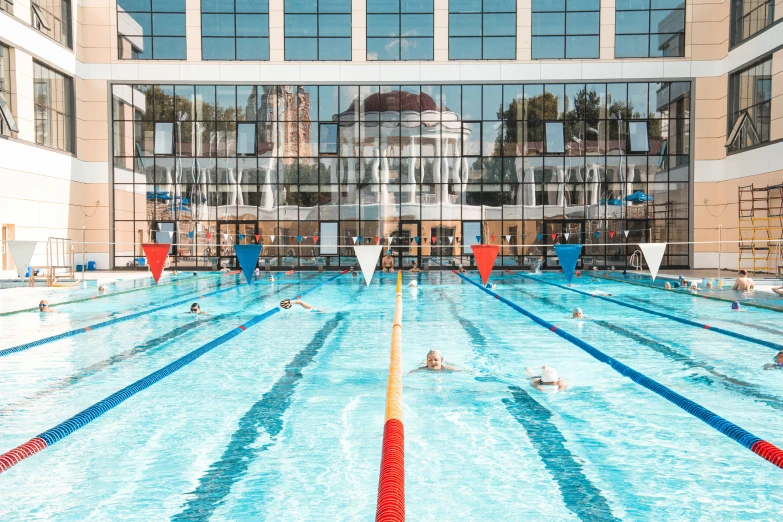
(743, 282)
(778, 364)
(387, 263)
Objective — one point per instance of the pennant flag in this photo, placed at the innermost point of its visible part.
(508, 238)
(368, 259)
(361, 239)
(611, 233)
(424, 239)
(272, 238)
(566, 235)
(298, 239)
(258, 238)
(626, 233)
(568, 255)
(434, 239)
(241, 236)
(653, 254)
(315, 239)
(156, 257)
(539, 236)
(377, 240)
(190, 234)
(354, 239)
(485, 258)
(597, 234)
(492, 237)
(478, 239)
(389, 239)
(554, 235)
(209, 235)
(22, 253)
(451, 239)
(247, 255)
(417, 239)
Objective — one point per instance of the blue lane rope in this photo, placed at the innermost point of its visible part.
(86, 416)
(761, 342)
(71, 333)
(722, 425)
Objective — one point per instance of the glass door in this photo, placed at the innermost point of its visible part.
(408, 250)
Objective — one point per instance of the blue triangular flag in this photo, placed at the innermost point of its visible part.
(247, 255)
(298, 239)
(568, 255)
(416, 239)
(190, 235)
(539, 236)
(360, 239)
(597, 234)
(478, 239)
(241, 236)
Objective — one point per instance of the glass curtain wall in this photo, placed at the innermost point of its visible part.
(400, 30)
(235, 29)
(748, 17)
(649, 28)
(750, 95)
(53, 92)
(566, 28)
(53, 18)
(317, 30)
(423, 169)
(482, 29)
(151, 30)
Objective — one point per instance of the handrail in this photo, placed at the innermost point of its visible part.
(391, 483)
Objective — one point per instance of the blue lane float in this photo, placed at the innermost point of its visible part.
(757, 445)
(81, 419)
(682, 320)
(71, 333)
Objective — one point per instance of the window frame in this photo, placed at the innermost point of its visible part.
(7, 120)
(317, 38)
(152, 36)
(68, 114)
(400, 37)
(650, 34)
(742, 112)
(62, 22)
(235, 37)
(482, 36)
(565, 35)
(733, 40)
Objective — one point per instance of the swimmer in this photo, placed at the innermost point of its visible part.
(694, 286)
(271, 279)
(195, 274)
(577, 314)
(174, 272)
(435, 363)
(289, 272)
(709, 284)
(387, 263)
(102, 289)
(548, 380)
(414, 268)
(491, 286)
(736, 306)
(224, 268)
(285, 304)
(353, 274)
(257, 272)
(743, 282)
(43, 307)
(196, 309)
(602, 293)
(612, 268)
(777, 364)
(778, 290)
(578, 273)
(595, 269)
(625, 272)
(667, 286)
(461, 269)
(413, 283)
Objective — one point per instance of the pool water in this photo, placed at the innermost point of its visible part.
(285, 421)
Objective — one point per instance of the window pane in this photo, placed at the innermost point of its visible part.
(633, 22)
(217, 48)
(464, 48)
(548, 47)
(417, 25)
(499, 25)
(637, 131)
(167, 48)
(301, 49)
(246, 138)
(631, 46)
(383, 25)
(164, 138)
(334, 25)
(416, 48)
(327, 143)
(301, 25)
(464, 25)
(582, 47)
(582, 23)
(499, 48)
(217, 25)
(252, 25)
(383, 48)
(554, 138)
(548, 23)
(334, 48)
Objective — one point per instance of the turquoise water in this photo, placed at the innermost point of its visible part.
(285, 421)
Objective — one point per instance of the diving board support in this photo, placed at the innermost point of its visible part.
(391, 484)
(755, 444)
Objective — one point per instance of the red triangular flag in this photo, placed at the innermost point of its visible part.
(611, 233)
(156, 257)
(434, 239)
(376, 240)
(209, 235)
(258, 238)
(554, 235)
(492, 237)
(485, 258)
(315, 239)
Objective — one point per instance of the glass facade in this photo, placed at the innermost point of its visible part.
(311, 170)
(400, 29)
(748, 17)
(235, 29)
(53, 93)
(482, 29)
(53, 18)
(649, 28)
(151, 29)
(318, 30)
(566, 28)
(750, 94)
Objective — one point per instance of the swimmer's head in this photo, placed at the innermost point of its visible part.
(388, 252)
(195, 274)
(694, 285)
(667, 286)
(625, 272)
(413, 283)
(271, 279)
(735, 305)
(612, 268)
(460, 266)
(548, 375)
(43, 305)
(413, 263)
(779, 357)
(285, 304)
(709, 284)
(101, 288)
(434, 360)
(195, 308)
(595, 269)
(743, 272)
(350, 269)
(578, 313)
(578, 273)
(681, 278)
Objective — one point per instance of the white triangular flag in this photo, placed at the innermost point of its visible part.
(22, 253)
(451, 239)
(566, 235)
(272, 238)
(508, 238)
(653, 254)
(389, 239)
(626, 233)
(368, 259)
(354, 239)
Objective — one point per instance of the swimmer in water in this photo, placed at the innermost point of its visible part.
(271, 279)
(224, 268)
(102, 289)
(195, 274)
(285, 304)
(577, 314)
(413, 283)
(435, 363)
(461, 269)
(548, 380)
(353, 274)
(491, 286)
(777, 364)
(196, 309)
(595, 269)
(778, 290)
(667, 286)
(736, 306)
(414, 268)
(257, 272)
(289, 272)
(43, 307)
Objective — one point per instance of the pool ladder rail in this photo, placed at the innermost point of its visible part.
(636, 260)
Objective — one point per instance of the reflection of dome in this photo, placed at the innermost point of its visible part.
(399, 101)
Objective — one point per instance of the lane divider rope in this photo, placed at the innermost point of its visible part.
(81, 419)
(757, 445)
(723, 331)
(111, 322)
(112, 294)
(391, 483)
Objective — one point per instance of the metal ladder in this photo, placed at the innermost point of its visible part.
(636, 260)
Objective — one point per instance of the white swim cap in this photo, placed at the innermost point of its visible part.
(413, 283)
(577, 310)
(549, 375)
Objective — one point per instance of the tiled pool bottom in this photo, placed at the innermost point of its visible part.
(284, 421)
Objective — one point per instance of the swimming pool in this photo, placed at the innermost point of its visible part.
(284, 421)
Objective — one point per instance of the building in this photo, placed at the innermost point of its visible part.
(428, 125)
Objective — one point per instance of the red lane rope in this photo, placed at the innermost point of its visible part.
(391, 505)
